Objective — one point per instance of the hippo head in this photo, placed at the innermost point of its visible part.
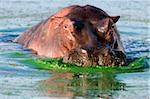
(82, 35)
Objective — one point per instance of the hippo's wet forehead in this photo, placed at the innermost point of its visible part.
(82, 12)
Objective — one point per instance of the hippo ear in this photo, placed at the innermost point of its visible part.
(105, 23)
(115, 18)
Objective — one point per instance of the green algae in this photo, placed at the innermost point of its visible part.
(58, 66)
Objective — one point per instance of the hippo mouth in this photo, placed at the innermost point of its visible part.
(95, 57)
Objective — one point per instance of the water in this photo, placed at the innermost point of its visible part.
(18, 81)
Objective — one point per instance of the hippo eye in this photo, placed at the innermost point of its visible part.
(65, 26)
(78, 25)
(113, 26)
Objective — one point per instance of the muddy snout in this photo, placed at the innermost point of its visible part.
(95, 57)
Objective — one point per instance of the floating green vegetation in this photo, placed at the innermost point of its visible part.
(59, 66)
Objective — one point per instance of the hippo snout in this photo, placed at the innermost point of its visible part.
(95, 57)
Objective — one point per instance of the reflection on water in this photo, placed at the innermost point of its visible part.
(71, 85)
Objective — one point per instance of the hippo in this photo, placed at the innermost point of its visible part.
(80, 35)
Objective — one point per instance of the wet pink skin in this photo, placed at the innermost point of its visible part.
(86, 30)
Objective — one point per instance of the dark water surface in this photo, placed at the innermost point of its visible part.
(18, 81)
